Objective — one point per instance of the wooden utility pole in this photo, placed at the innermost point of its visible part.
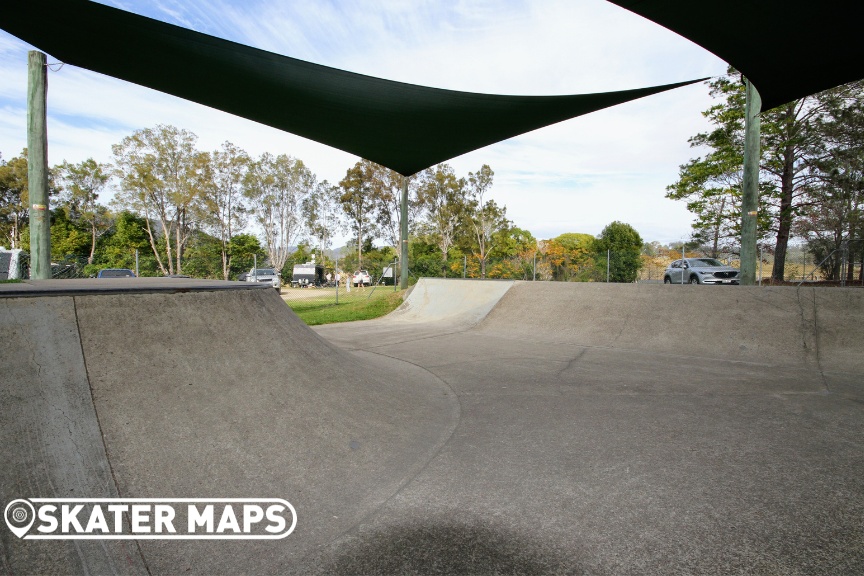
(750, 186)
(37, 166)
(403, 221)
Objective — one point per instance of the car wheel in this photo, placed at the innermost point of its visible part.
(694, 280)
(667, 280)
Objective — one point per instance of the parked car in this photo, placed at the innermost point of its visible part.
(115, 273)
(700, 271)
(362, 277)
(269, 275)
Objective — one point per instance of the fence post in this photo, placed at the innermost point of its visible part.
(844, 263)
(760, 265)
(804, 263)
(608, 254)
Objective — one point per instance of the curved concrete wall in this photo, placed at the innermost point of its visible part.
(818, 328)
(202, 394)
(460, 302)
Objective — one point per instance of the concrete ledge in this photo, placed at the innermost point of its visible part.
(81, 286)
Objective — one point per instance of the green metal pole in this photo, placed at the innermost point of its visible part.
(37, 166)
(750, 186)
(403, 220)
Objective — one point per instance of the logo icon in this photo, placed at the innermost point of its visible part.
(19, 515)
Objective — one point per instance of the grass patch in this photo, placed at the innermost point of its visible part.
(358, 305)
(13, 281)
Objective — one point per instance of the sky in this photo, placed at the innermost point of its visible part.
(575, 176)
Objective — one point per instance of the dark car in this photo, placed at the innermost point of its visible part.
(115, 273)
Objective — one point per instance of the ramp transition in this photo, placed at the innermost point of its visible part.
(200, 393)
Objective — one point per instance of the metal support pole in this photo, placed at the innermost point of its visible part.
(534, 271)
(137, 273)
(844, 263)
(760, 265)
(37, 165)
(750, 186)
(464, 266)
(255, 267)
(608, 254)
(403, 221)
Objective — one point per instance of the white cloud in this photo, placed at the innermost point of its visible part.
(575, 176)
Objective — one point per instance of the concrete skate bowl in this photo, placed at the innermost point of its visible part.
(198, 393)
(556, 432)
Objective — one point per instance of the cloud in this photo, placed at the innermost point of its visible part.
(578, 175)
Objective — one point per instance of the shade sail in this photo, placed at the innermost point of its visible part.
(787, 49)
(402, 126)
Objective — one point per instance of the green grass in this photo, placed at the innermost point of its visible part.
(358, 305)
(13, 281)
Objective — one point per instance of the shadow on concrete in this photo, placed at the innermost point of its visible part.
(447, 547)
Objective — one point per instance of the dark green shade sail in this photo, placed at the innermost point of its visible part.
(788, 49)
(402, 126)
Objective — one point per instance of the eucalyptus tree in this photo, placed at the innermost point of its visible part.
(487, 219)
(442, 196)
(358, 200)
(14, 214)
(223, 202)
(161, 178)
(276, 188)
(387, 186)
(323, 214)
(81, 185)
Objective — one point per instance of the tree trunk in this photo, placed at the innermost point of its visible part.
(92, 242)
(785, 223)
(715, 246)
(179, 245)
(153, 245)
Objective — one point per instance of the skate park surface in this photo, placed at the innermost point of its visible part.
(485, 427)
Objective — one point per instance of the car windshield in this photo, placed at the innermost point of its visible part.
(703, 262)
(264, 271)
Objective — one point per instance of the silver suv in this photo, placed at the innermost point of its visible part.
(269, 275)
(700, 271)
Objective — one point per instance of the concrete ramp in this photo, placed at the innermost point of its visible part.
(804, 327)
(458, 302)
(197, 393)
(433, 306)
